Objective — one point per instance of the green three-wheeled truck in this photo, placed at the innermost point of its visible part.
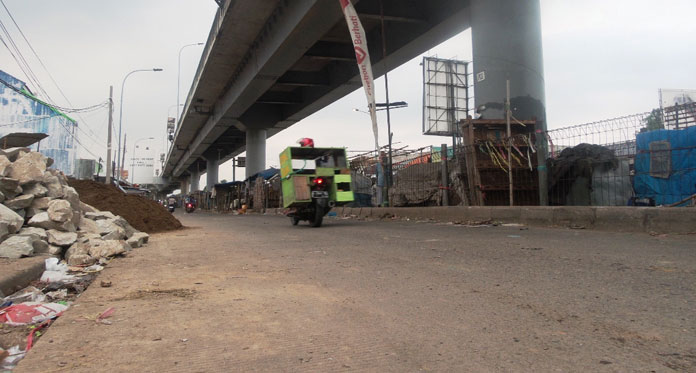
(314, 180)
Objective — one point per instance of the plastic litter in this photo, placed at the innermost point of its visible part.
(31, 313)
(56, 272)
(14, 356)
(58, 294)
(28, 294)
(105, 315)
(35, 333)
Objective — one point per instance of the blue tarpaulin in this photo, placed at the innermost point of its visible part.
(666, 183)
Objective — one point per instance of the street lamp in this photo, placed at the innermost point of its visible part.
(120, 115)
(135, 146)
(178, 76)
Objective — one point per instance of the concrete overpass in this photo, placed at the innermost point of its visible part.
(269, 64)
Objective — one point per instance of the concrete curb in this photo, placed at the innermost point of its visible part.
(22, 273)
(680, 220)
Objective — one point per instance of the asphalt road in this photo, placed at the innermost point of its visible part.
(253, 293)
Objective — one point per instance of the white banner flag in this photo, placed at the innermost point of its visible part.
(363, 57)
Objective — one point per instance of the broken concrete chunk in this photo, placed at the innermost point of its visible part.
(144, 237)
(13, 220)
(16, 247)
(19, 202)
(59, 238)
(60, 210)
(28, 168)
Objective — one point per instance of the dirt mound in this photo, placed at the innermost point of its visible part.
(143, 214)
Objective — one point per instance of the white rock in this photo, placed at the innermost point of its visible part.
(41, 203)
(55, 250)
(70, 194)
(135, 242)
(28, 168)
(87, 208)
(78, 254)
(108, 248)
(60, 210)
(16, 247)
(121, 222)
(39, 232)
(59, 238)
(4, 164)
(19, 202)
(142, 236)
(35, 189)
(4, 230)
(89, 226)
(42, 220)
(55, 188)
(40, 247)
(13, 220)
(14, 153)
(100, 215)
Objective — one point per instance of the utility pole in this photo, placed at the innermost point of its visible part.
(389, 172)
(123, 161)
(509, 139)
(109, 168)
(234, 168)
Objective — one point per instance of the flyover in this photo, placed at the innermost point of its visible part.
(269, 64)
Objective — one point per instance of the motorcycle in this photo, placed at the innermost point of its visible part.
(190, 207)
(171, 207)
(321, 182)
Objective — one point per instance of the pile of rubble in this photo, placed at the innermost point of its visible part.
(40, 213)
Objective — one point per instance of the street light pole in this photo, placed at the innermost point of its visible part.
(178, 76)
(120, 115)
(135, 146)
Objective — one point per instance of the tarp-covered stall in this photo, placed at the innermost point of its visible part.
(666, 165)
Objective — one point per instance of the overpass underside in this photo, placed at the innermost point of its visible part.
(269, 64)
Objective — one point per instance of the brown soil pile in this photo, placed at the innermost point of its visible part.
(143, 214)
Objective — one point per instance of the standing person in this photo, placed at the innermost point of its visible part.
(380, 179)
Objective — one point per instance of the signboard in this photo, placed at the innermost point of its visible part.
(241, 161)
(445, 95)
(143, 165)
(171, 123)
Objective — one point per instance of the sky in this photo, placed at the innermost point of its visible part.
(602, 59)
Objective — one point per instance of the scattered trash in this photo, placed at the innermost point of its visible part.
(576, 226)
(332, 213)
(512, 225)
(36, 332)
(14, 355)
(105, 284)
(56, 272)
(30, 313)
(58, 294)
(28, 294)
(184, 340)
(106, 314)
(93, 268)
(514, 235)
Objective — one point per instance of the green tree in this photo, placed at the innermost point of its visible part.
(654, 120)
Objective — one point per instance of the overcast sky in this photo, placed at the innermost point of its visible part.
(602, 59)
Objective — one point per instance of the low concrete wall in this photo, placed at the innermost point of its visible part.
(617, 219)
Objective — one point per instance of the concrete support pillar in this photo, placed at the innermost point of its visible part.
(255, 151)
(195, 178)
(506, 41)
(211, 173)
(185, 186)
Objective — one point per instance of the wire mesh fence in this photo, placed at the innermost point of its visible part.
(641, 159)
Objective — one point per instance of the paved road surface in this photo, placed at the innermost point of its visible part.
(253, 293)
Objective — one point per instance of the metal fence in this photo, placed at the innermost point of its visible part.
(642, 159)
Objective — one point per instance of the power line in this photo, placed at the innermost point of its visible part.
(96, 138)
